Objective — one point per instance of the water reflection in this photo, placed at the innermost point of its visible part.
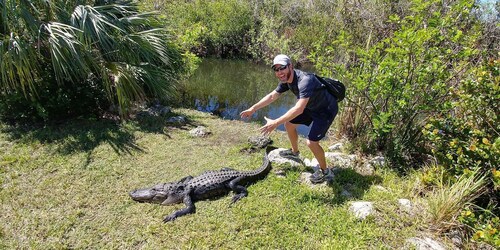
(227, 87)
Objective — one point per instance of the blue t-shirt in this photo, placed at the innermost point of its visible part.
(306, 85)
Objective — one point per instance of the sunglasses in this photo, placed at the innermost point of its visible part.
(276, 69)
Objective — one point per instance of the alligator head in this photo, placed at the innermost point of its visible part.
(164, 194)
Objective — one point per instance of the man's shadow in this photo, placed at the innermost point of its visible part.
(347, 185)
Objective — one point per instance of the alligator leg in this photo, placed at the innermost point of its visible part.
(239, 190)
(189, 209)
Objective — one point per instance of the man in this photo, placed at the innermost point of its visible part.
(314, 106)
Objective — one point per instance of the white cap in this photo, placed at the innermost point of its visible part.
(281, 59)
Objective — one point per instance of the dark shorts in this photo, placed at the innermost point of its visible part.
(320, 120)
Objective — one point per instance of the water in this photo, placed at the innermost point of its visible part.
(227, 87)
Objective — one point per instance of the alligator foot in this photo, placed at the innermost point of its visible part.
(189, 209)
(237, 197)
(169, 218)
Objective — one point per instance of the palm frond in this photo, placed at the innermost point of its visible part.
(124, 84)
(66, 52)
(98, 30)
(17, 67)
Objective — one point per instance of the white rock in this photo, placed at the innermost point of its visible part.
(311, 163)
(275, 157)
(341, 159)
(405, 204)
(378, 161)
(336, 147)
(381, 188)
(199, 131)
(425, 244)
(361, 209)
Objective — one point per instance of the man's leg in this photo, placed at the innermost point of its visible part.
(318, 153)
(293, 136)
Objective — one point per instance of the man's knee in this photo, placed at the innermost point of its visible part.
(310, 143)
(290, 126)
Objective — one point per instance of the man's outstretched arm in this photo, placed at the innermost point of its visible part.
(266, 100)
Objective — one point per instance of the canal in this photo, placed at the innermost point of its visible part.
(227, 87)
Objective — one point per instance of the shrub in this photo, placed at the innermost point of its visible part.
(466, 139)
(398, 83)
(220, 28)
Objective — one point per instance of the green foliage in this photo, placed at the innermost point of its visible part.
(218, 28)
(467, 138)
(50, 45)
(485, 224)
(400, 81)
(54, 102)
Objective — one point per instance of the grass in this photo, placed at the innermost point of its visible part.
(67, 186)
(446, 203)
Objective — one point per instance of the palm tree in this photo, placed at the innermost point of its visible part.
(109, 43)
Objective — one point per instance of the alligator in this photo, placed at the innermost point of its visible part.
(208, 185)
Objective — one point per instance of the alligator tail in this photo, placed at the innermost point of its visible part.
(264, 169)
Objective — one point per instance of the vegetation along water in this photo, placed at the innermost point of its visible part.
(422, 80)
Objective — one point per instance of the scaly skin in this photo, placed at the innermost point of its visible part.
(210, 184)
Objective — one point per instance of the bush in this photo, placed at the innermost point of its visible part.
(54, 102)
(220, 28)
(466, 139)
(398, 83)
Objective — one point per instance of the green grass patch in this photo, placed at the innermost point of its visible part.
(67, 186)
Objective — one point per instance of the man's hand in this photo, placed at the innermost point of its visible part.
(270, 126)
(247, 113)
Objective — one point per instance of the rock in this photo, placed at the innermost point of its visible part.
(405, 204)
(381, 188)
(200, 131)
(377, 161)
(425, 244)
(361, 209)
(313, 163)
(304, 178)
(259, 141)
(275, 157)
(164, 111)
(340, 159)
(457, 238)
(154, 110)
(366, 169)
(346, 193)
(336, 147)
(177, 119)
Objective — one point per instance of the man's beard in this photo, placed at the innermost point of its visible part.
(287, 76)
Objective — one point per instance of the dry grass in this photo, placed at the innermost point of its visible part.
(447, 201)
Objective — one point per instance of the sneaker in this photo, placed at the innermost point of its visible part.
(319, 176)
(289, 153)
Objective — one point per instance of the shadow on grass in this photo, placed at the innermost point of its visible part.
(82, 135)
(347, 185)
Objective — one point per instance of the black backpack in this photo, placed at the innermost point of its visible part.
(334, 87)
